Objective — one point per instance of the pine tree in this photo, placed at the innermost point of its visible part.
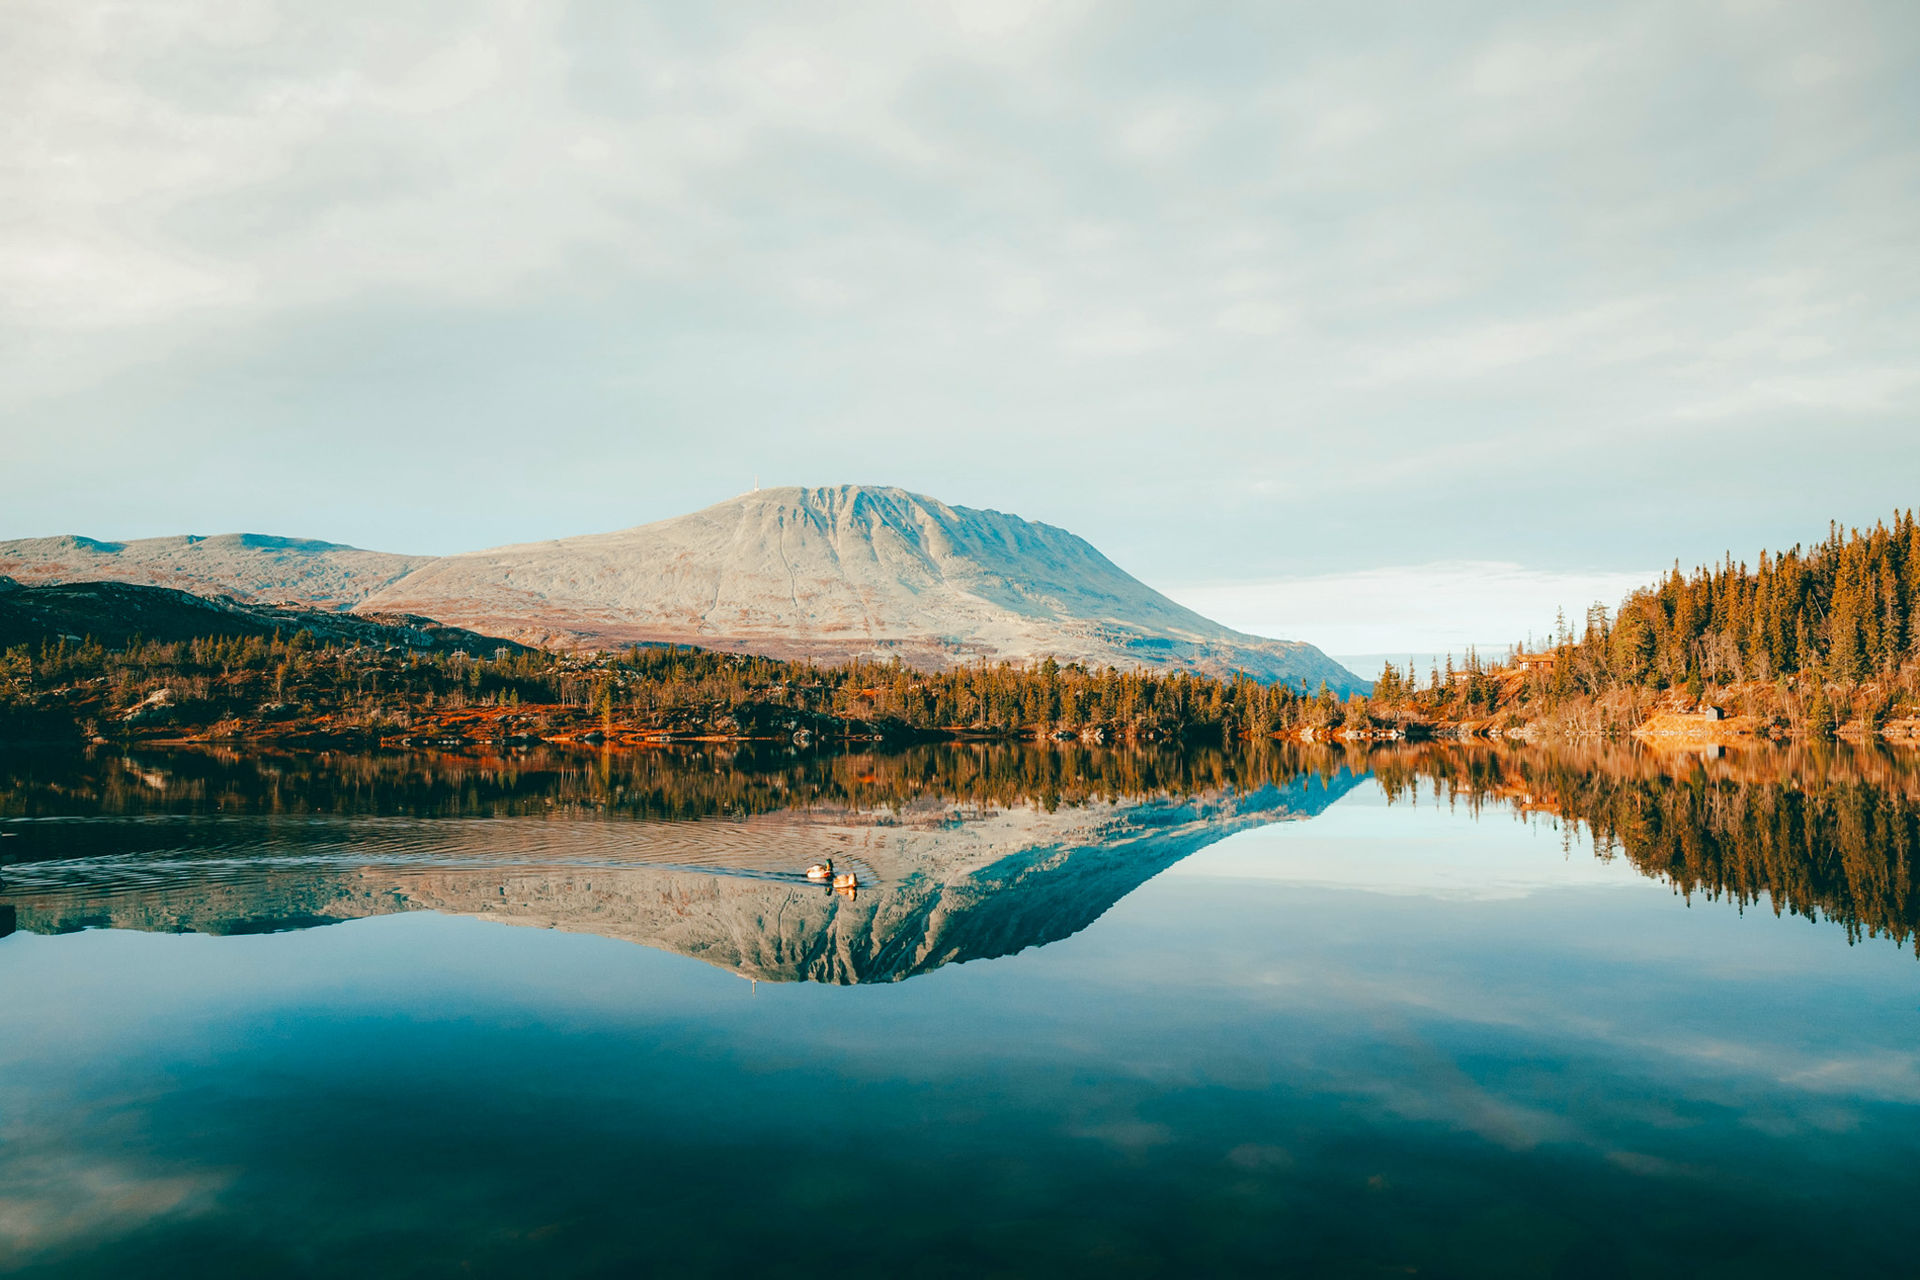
(1819, 715)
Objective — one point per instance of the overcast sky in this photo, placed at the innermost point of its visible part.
(1242, 294)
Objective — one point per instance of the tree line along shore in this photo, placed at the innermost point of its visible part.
(1808, 644)
(295, 689)
(1824, 831)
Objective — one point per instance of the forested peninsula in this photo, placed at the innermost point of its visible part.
(1807, 643)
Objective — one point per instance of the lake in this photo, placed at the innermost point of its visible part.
(1434, 1010)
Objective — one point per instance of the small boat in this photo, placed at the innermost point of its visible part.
(820, 870)
(846, 882)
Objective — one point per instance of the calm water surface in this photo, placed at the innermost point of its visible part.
(1450, 1014)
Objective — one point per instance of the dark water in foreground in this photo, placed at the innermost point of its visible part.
(1103, 1014)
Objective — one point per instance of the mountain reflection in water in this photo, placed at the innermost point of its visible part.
(962, 853)
(1421, 1010)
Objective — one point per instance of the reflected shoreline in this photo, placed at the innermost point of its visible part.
(963, 852)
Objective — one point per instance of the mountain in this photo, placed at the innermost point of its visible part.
(837, 573)
(824, 574)
(247, 566)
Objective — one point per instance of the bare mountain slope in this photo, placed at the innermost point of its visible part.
(247, 566)
(838, 573)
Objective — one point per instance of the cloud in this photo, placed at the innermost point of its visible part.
(50, 1201)
(1250, 271)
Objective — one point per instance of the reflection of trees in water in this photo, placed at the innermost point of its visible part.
(1821, 833)
(942, 882)
(680, 783)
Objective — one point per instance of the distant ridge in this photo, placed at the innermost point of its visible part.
(252, 567)
(827, 574)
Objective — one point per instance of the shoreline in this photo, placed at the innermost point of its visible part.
(1663, 731)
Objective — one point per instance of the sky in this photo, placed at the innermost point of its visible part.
(1261, 299)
